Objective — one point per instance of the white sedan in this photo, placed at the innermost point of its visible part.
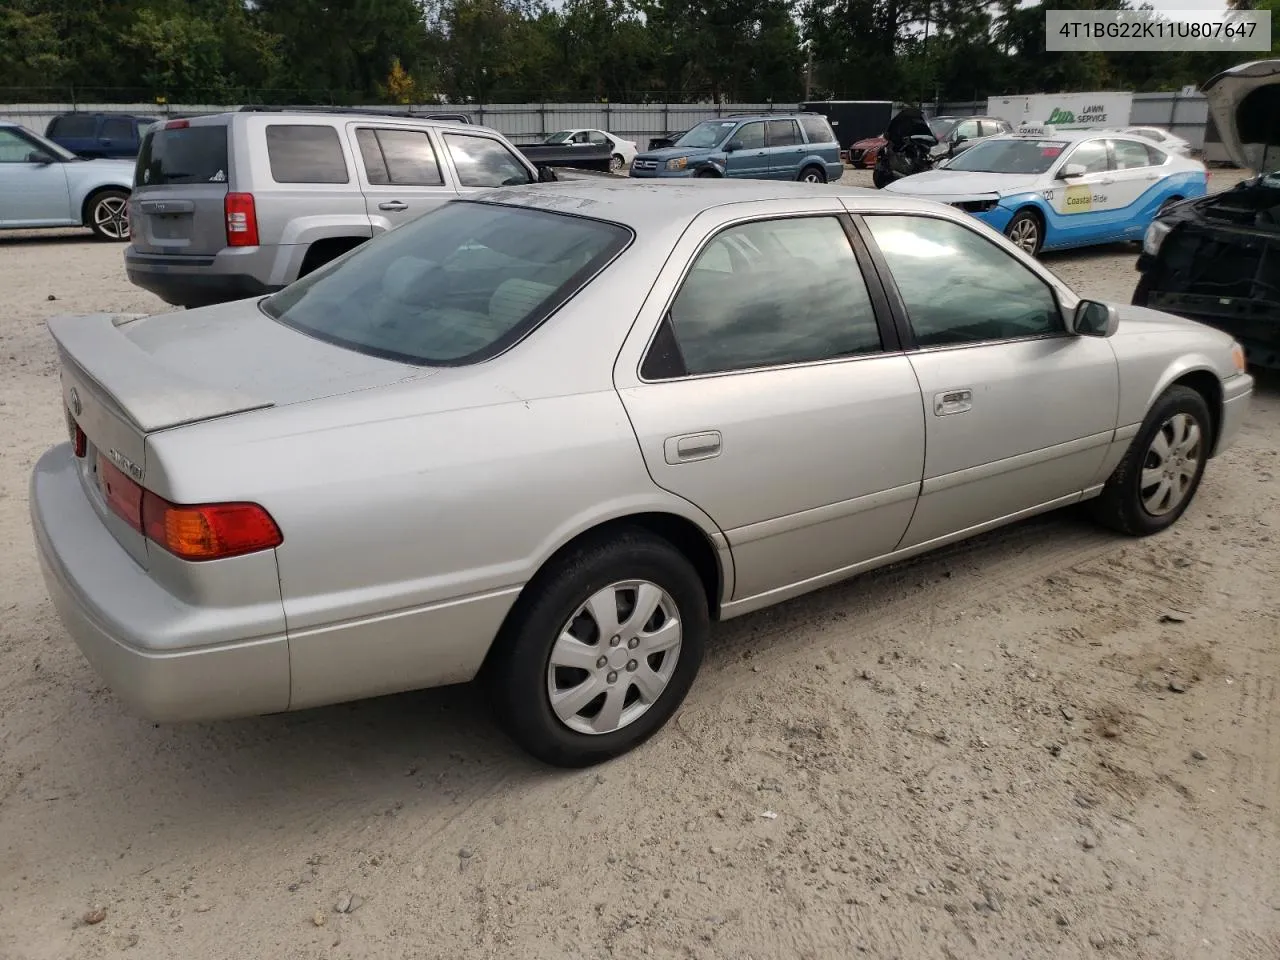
(624, 151)
(1162, 138)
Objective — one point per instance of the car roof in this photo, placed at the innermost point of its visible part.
(381, 119)
(646, 205)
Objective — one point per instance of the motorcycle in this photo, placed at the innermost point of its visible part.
(909, 149)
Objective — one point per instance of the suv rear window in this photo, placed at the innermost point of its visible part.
(457, 285)
(305, 153)
(182, 155)
(817, 130)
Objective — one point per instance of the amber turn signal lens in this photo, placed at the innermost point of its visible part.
(1237, 357)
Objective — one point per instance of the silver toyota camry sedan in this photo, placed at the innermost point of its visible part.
(544, 437)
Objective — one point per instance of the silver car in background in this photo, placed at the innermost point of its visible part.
(548, 434)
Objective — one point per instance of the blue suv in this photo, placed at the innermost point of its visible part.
(799, 146)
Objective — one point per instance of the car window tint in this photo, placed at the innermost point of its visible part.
(1155, 157)
(817, 129)
(305, 153)
(773, 292)
(967, 129)
(404, 157)
(783, 133)
(182, 155)
(456, 285)
(484, 162)
(959, 287)
(75, 126)
(14, 148)
(751, 136)
(1092, 155)
(1130, 154)
(117, 128)
(597, 137)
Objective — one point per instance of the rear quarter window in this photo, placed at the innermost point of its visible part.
(196, 154)
(73, 127)
(305, 153)
(817, 130)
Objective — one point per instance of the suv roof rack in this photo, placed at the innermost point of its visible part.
(412, 112)
(776, 113)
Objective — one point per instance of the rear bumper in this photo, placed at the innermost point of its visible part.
(107, 603)
(197, 281)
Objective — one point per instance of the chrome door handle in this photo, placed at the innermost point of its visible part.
(393, 205)
(692, 446)
(952, 401)
(1107, 180)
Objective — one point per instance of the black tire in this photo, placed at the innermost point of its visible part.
(707, 173)
(519, 669)
(881, 177)
(813, 175)
(1026, 220)
(1121, 506)
(107, 215)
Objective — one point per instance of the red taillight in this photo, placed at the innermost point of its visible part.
(81, 442)
(211, 531)
(177, 124)
(242, 220)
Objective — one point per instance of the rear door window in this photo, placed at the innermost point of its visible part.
(183, 155)
(305, 153)
(484, 162)
(404, 157)
(117, 128)
(783, 133)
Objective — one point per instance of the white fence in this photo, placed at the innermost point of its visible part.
(521, 122)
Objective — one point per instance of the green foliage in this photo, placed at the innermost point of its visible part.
(336, 51)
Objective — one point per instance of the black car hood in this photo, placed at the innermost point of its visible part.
(1245, 103)
(907, 122)
(1252, 205)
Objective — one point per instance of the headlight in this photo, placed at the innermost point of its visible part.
(678, 163)
(1154, 237)
(1237, 357)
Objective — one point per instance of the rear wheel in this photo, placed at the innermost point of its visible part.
(602, 651)
(616, 163)
(108, 215)
(1159, 475)
(813, 175)
(1026, 232)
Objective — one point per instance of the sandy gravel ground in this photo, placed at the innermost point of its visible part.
(1051, 742)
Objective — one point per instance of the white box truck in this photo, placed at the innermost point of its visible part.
(1065, 111)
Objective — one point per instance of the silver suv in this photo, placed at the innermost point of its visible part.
(240, 204)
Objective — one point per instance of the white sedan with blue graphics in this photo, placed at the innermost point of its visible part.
(1051, 190)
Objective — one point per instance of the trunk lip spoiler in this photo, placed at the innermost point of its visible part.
(149, 394)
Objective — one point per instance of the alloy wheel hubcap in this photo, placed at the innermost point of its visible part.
(111, 216)
(616, 163)
(1025, 234)
(614, 657)
(811, 177)
(1170, 465)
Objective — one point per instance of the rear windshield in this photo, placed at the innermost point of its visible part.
(182, 155)
(455, 286)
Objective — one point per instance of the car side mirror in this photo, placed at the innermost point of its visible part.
(40, 157)
(1093, 318)
(959, 138)
(732, 145)
(1072, 170)
(546, 174)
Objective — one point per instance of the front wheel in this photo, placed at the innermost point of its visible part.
(1026, 232)
(109, 215)
(1159, 475)
(603, 650)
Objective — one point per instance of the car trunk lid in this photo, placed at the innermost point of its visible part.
(126, 377)
(180, 187)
